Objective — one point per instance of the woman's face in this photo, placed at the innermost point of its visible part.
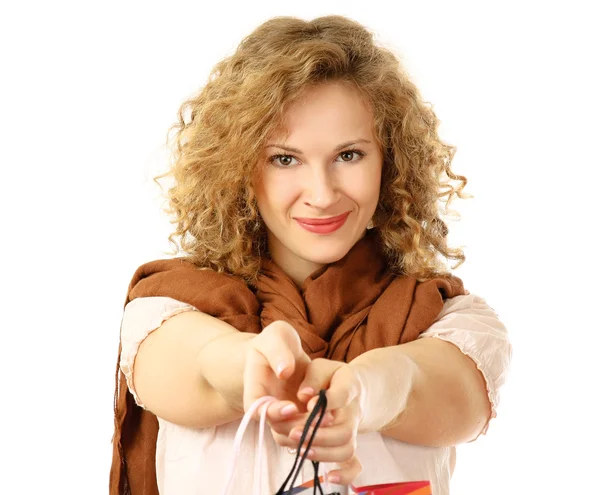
(319, 187)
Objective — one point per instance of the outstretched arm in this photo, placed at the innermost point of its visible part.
(190, 369)
(453, 373)
(438, 390)
(174, 372)
(425, 392)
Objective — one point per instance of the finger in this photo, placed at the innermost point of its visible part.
(285, 425)
(296, 422)
(338, 454)
(346, 473)
(281, 430)
(280, 345)
(317, 377)
(334, 436)
(257, 378)
(256, 374)
(284, 440)
(281, 411)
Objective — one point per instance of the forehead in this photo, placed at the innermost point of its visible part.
(333, 111)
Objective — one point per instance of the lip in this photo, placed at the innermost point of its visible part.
(322, 221)
(323, 225)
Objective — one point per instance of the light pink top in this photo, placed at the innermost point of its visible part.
(191, 461)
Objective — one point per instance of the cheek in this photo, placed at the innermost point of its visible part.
(277, 192)
(364, 186)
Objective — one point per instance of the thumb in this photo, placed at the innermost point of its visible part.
(342, 389)
(281, 346)
(318, 376)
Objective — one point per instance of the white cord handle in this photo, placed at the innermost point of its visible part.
(238, 442)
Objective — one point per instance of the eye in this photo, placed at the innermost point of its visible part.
(282, 160)
(348, 155)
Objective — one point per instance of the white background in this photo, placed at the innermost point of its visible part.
(88, 91)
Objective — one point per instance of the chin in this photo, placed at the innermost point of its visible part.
(324, 255)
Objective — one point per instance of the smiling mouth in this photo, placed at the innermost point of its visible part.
(323, 225)
(322, 221)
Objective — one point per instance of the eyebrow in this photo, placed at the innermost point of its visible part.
(339, 147)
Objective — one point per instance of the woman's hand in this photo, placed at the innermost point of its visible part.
(335, 440)
(276, 365)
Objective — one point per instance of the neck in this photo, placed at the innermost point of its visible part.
(297, 269)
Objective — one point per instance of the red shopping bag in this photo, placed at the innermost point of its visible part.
(407, 488)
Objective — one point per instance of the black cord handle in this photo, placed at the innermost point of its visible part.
(319, 409)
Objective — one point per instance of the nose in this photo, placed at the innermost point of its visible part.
(321, 189)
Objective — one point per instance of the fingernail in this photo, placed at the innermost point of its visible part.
(280, 369)
(334, 478)
(308, 391)
(288, 410)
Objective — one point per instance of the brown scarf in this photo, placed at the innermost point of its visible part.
(341, 311)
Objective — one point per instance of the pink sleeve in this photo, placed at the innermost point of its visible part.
(140, 318)
(472, 326)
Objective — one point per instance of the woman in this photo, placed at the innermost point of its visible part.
(308, 176)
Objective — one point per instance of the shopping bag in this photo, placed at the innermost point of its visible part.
(407, 488)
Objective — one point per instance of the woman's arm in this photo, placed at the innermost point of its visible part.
(425, 392)
(188, 367)
(189, 370)
(446, 387)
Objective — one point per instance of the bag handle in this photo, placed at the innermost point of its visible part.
(320, 409)
(237, 442)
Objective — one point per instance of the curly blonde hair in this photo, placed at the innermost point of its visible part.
(222, 130)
